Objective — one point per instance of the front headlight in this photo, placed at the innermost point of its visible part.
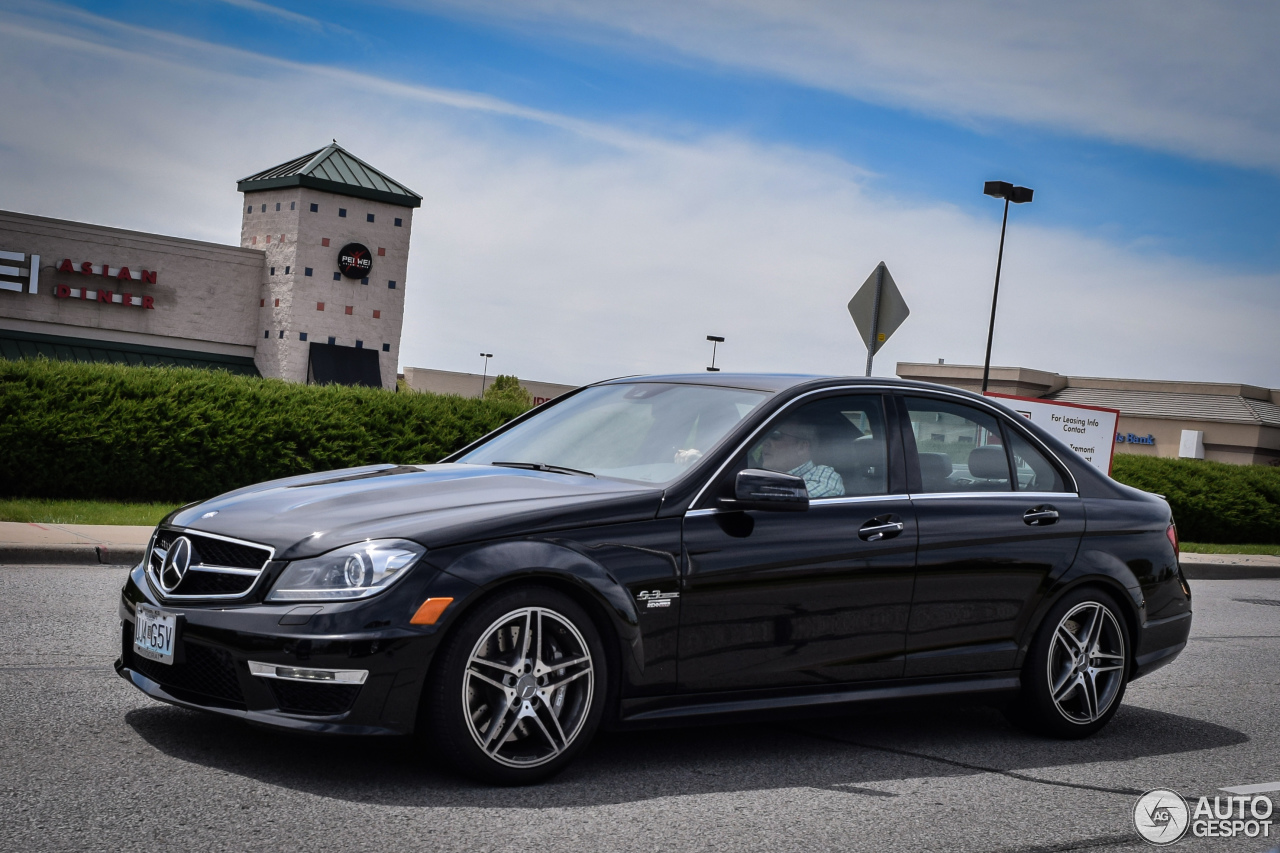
(345, 574)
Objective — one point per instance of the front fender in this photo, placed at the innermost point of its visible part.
(491, 565)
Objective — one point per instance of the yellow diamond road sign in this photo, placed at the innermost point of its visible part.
(893, 308)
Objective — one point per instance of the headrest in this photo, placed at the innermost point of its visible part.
(935, 466)
(868, 452)
(989, 463)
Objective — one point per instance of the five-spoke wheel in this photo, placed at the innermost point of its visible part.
(518, 687)
(1076, 668)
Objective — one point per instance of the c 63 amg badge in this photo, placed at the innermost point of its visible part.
(656, 597)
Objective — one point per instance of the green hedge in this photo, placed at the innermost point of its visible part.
(102, 431)
(1211, 501)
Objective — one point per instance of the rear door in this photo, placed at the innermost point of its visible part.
(789, 599)
(989, 539)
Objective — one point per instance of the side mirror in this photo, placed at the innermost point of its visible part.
(756, 488)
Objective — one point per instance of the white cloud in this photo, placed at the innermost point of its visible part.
(1183, 76)
(576, 251)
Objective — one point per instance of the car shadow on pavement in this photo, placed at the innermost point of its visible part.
(852, 753)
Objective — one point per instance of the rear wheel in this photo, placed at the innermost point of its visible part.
(519, 688)
(1076, 669)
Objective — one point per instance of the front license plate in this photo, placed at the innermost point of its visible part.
(153, 633)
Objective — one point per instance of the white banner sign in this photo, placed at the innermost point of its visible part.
(1088, 430)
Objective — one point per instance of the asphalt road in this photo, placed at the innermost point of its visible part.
(89, 763)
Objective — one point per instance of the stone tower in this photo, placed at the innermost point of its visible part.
(336, 234)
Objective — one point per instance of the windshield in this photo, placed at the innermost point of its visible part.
(645, 431)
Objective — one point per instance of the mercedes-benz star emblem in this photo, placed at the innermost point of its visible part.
(176, 563)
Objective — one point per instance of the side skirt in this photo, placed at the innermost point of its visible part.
(652, 709)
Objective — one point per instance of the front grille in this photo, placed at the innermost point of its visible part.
(317, 700)
(212, 555)
(206, 673)
(214, 583)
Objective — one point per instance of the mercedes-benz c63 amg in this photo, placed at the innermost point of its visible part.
(660, 549)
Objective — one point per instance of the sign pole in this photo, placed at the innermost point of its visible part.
(875, 316)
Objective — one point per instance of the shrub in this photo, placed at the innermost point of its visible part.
(101, 431)
(1211, 501)
(509, 389)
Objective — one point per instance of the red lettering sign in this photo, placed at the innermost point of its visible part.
(123, 275)
(86, 268)
(61, 291)
(65, 266)
(148, 302)
(105, 295)
(149, 276)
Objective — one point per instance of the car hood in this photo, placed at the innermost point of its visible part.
(434, 505)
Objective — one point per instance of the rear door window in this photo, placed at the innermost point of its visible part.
(959, 447)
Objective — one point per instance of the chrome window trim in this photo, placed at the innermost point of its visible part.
(725, 464)
(857, 499)
(815, 502)
(1000, 412)
(926, 496)
(223, 570)
(340, 676)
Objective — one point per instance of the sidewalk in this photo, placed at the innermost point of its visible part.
(1222, 567)
(72, 544)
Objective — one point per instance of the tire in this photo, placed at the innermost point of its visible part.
(1076, 669)
(509, 712)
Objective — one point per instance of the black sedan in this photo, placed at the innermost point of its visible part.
(652, 550)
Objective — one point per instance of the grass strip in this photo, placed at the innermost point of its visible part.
(1209, 548)
(47, 511)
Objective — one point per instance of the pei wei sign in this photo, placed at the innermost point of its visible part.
(118, 275)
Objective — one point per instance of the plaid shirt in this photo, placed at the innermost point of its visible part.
(821, 480)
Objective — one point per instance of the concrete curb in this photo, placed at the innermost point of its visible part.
(1228, 572)
(70, 555)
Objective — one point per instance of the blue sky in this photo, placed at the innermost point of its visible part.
(1223, 214)
(1154, 173)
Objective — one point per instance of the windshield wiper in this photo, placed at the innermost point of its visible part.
(538, 466)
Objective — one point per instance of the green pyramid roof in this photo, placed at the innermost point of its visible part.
(334, 170)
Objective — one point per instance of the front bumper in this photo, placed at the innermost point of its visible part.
(215, 644)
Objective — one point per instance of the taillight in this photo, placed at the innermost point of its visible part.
(1172, 533)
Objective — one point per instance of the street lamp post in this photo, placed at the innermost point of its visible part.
(1017, 195)
(484, 376)
(716, 340)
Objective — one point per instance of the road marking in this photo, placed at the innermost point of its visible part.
(1260, 788)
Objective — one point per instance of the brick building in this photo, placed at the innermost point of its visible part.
(314, 292)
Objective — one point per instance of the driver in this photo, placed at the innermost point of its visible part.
(789, 448)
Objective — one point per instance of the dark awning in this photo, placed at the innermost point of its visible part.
(339, 365)
(16, 345)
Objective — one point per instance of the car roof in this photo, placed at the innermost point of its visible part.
(775, 382)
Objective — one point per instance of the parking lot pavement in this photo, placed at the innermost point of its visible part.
(89, 763)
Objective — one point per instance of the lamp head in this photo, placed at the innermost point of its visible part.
(1006, 190)
(997, 189)
(715, 338)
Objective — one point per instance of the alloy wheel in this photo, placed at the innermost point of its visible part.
(1086, 662)
(527, 689)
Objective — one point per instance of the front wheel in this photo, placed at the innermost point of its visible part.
(1076, 669)
(518, 689)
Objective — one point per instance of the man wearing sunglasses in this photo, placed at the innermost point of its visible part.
(789, 448)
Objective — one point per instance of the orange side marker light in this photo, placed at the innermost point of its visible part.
(430, 611)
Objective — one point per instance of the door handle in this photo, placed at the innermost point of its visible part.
(884, 527)
(1040, 515)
